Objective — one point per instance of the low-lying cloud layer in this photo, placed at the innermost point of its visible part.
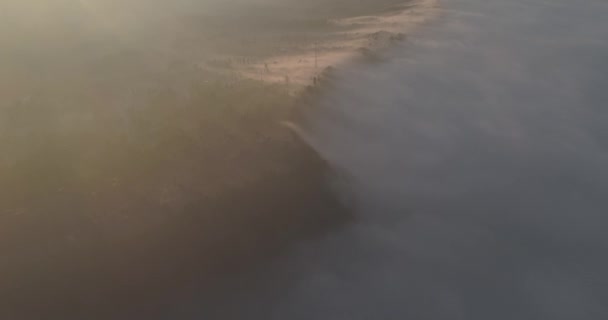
(477, 156)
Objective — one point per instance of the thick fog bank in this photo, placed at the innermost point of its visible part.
(477, 155)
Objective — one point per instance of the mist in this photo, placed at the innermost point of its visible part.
(475, 159)
(472, 157)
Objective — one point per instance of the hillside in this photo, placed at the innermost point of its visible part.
(137, 156)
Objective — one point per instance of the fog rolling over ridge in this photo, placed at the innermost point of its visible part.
(477, 155)
(473, 154)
